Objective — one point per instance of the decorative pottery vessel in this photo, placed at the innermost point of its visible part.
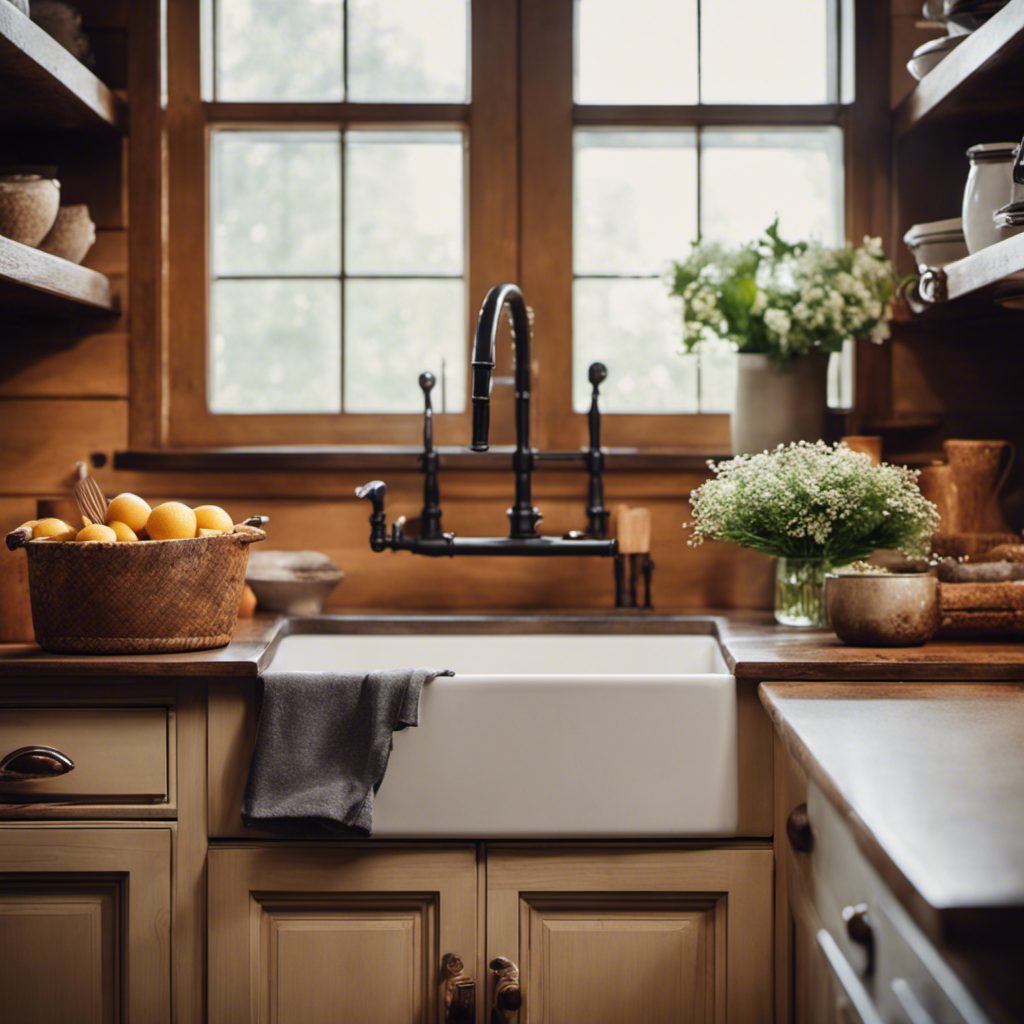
(979, 472)
(937, 242)
(63, 23)
(867, 444)
(883, 609)
(292, 582)
(72, 235)
(938, 486)
(28, 206)
(989, 187)
(800, 591)
(776, 406)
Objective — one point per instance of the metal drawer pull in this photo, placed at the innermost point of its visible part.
(459, 991)
(909, 1003)
(34, 764)
(858, 928)
(798, 828)
(860, 1001)
(508, 997)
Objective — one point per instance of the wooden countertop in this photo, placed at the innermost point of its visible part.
(930, 778)
(755, 648)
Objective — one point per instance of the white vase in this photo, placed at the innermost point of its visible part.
(776, 406)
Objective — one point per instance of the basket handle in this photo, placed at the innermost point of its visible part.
(251, 529)
(19, 538)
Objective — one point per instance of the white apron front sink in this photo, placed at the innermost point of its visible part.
(549, 736)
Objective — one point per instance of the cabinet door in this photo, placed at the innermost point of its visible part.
(85, 925)
(330, 933)
(663, 935)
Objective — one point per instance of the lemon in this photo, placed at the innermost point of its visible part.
(209, 533)
(129, 509)
(171, 521)
(55, 528)
(213, 517)
(97, 532)
(122, 531)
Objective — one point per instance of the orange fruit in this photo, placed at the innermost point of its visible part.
(123, 531)
(171, 521)
(55, 528)
(97, 532)
(213, 517)
(209, 533)
(129, 509)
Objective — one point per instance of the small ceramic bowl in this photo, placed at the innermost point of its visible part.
(292, 582)
(937, 242)
(72, 235)
(932, 53)
(869, 609)
(28, 206)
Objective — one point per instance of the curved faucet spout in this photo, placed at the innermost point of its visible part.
(523, 516)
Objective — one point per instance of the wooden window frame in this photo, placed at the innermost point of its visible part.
(519, 122)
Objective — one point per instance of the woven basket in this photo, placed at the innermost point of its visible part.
(150, 597)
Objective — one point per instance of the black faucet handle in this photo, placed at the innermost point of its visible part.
(427, 382)
(375, 491)
(597, 374)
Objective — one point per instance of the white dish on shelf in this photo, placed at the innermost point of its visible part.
(936, 243)
(932, 53)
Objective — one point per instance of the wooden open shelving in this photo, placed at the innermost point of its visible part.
(44, 87)
(38, 286)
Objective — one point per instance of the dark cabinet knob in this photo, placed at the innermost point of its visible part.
(859, 930)
(507, 995)
(459, 991)
(798, 828)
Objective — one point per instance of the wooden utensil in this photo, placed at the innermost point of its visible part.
(91, 501)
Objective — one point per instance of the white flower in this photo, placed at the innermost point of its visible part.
(777, 321)
(873, 246)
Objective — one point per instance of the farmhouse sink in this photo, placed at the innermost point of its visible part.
(548, 736)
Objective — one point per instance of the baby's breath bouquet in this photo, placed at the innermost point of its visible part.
(815, 507)
(784, 299)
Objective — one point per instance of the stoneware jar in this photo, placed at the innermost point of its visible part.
(988, 188)
(28, 206)
(872, 609)
(73, 234)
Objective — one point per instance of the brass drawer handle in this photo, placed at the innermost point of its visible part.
(34, 764)
(798, 828)
(508, 997)
(459, 991)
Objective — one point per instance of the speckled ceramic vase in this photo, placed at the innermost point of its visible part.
(776, 406)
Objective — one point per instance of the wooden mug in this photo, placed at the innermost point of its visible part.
(869, 445)
(975, 466)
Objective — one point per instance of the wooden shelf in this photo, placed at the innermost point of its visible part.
(42, 86)
(37, 286)
(983, 76)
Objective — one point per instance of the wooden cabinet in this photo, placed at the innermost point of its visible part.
(659, 934)
(331, 932)
(85, 924)
(647, 932)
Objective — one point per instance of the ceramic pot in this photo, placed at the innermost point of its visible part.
(883, 609)
(979, 470)
(938, 486)
(72, 235)
(989, 187)
(28, 207)
(776, 406)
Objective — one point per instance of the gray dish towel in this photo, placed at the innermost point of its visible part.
(322, 745)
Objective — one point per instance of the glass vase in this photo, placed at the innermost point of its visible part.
(800, 591)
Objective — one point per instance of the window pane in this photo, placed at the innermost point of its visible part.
(757, 52)
(403, 203)
(408, 50)
(636, 51)
(632, 326)
(635, 200)
(748, 176)
(275, 203)
(717, 376)
(279, 50)
(394, 330)
(274, 347)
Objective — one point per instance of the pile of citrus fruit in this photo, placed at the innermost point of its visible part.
(130, 518)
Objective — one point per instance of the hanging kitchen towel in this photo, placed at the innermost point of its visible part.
(322, 745)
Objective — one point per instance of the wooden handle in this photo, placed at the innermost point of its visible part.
(459, 991)
(798, 828)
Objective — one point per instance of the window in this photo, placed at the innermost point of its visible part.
(363, 170)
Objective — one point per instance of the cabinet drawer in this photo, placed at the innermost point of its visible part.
(120, 754)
